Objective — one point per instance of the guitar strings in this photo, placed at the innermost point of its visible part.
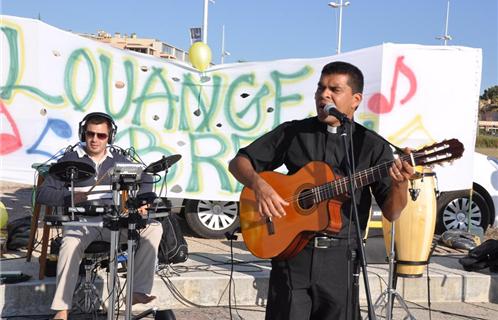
(328, 187)
(448, 149)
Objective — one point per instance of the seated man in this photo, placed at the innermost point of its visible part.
(96, 131)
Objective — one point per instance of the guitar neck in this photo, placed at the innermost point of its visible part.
(444, 151)
(362, 178)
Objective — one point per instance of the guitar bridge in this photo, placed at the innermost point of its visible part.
(270, 226)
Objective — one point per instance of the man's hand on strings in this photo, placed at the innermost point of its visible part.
(268, 201)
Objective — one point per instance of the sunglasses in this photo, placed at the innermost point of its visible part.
(100, 135)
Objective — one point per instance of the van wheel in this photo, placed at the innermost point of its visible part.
(212, 219)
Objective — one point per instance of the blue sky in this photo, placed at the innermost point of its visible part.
(275, 29)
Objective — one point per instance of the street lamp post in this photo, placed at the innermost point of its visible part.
(205, 21)
(223, 51)
(340, 5)
(446, 36)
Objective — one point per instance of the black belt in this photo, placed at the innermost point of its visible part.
(324, 241)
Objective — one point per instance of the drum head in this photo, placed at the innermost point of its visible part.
(71, 170)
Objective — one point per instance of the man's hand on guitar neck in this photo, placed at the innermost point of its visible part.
(270, 203)
(401, 171)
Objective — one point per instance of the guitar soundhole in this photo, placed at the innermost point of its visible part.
(306, 199)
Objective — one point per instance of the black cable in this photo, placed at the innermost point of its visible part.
(434, 245)
(429, 291)
(230, 279)
(155, 175)
(134, 155)
(206, 267)
(120, 292)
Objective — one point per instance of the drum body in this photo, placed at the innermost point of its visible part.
(414, 229)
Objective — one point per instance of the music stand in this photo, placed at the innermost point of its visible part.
(387, 297)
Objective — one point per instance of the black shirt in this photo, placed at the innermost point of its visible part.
(295, 143)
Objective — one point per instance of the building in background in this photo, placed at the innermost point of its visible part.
(149, 46)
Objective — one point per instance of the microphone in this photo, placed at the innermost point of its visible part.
(332, 110)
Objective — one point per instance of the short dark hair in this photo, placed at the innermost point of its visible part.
(355, 75)
(98, 119)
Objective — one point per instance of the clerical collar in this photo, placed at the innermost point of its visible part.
(332, 129)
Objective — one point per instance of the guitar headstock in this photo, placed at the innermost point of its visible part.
(444, 151)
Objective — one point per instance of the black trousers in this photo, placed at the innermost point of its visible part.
(316, 284)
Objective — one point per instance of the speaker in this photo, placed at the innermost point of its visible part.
(112, 130)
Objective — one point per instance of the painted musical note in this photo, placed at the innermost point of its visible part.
(379, 104)
(9, 142)
(60, 127)
(414, 129)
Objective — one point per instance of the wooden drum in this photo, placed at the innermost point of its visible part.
(414, 229)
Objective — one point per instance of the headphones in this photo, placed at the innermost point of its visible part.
(112, 130)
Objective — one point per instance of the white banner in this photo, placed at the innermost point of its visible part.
(414, 95)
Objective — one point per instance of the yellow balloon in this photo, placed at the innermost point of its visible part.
(200, 56)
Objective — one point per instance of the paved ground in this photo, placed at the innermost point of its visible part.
(439, 311)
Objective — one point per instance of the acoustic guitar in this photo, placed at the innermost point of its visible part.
(315, 195)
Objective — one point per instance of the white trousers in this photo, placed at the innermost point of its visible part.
(76, 239)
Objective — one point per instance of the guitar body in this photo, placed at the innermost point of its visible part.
(293, 231)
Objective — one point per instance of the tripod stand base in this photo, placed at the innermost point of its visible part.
(389, 296)
(382, 302)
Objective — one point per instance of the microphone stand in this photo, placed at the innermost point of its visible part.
(73, 171)
(133, 236)
(134, 218)
(362, 256)
(113, 225)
